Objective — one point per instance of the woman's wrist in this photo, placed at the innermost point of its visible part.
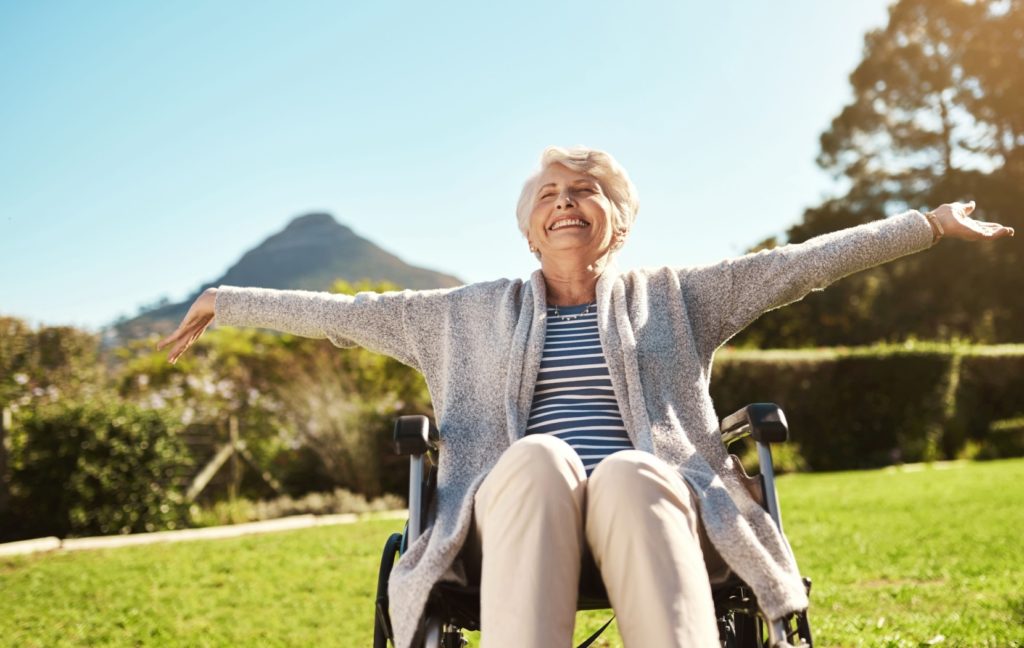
(209, 300)
(937, 230)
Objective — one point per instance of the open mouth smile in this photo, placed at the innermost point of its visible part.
(568, 222)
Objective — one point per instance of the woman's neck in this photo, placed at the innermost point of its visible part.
(571, 284)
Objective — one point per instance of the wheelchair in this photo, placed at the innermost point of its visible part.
(452, 608)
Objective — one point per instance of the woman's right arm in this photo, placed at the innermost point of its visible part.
(376, 321)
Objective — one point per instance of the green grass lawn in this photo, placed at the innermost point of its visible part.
(898, 558)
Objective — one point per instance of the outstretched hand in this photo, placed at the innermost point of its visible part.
(957, 223)
(198, 317)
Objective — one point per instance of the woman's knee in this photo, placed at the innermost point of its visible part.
(625, 466)
(632, 475)
(537, 455)
(540, 464)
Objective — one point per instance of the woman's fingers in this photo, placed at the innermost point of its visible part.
(177, 334)
(180, 346)
(989, 230)
(995, 230)
(170, 338)
(200, 328)
(182, 339)
(188, 338)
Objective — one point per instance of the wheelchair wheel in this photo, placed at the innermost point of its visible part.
(382, 626)
(748, 631)
(437, 634)
(739, 630)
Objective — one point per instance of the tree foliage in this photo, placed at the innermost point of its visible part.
(937, 116)
(42, 365)
(291, 395)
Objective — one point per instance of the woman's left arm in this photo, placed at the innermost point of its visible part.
(376, 321)
(729, 295)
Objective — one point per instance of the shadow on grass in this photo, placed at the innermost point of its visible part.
(1016, 606)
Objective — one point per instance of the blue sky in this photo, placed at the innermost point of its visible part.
(144, 147)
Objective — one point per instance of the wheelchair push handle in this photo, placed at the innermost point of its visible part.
(415, 435)
(765, 422)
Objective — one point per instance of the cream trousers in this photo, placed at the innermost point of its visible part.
(531, 516)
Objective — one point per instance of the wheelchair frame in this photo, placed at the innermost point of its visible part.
(740, 622)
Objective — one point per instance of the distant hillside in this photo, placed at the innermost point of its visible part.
(310, 253)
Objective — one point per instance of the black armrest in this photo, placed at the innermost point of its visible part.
(764, 421)
(415, 434)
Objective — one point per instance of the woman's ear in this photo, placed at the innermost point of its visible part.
(620, 238)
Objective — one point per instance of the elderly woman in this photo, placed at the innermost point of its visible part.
(575, 411)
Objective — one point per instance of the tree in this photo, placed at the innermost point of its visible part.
(937, 116)
(287, 393)
(43, 365)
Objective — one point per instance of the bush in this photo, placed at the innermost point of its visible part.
(786, 457)
(873, 406)
(846, 409)
(1005, 439)
(989, 390)
(94, 468)
(288, 394)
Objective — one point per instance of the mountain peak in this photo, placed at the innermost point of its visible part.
(310, 253)
(313, 219)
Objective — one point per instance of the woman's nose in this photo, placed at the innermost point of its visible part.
(564, 200)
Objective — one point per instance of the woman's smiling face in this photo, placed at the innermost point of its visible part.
(571, 216)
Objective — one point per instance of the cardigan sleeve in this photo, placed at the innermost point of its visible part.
(376, 321)
(726, 297)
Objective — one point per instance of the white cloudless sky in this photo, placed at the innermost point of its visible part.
(144, 147)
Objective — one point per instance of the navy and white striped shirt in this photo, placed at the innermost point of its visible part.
(574, 399)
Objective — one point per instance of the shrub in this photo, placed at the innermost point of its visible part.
(786, 457)
(873, 406)
(82, 468)
(1005, 439)
(989, 390)
(846, 409)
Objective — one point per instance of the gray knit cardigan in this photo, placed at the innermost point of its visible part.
(479, 347)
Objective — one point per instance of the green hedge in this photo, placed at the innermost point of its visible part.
(991, 390)
(94, 468)
(873, 406)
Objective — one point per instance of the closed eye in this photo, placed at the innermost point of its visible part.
(550, 193)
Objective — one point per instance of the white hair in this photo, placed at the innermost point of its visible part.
(599, 165)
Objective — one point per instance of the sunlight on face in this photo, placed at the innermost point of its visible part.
(571, 217)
